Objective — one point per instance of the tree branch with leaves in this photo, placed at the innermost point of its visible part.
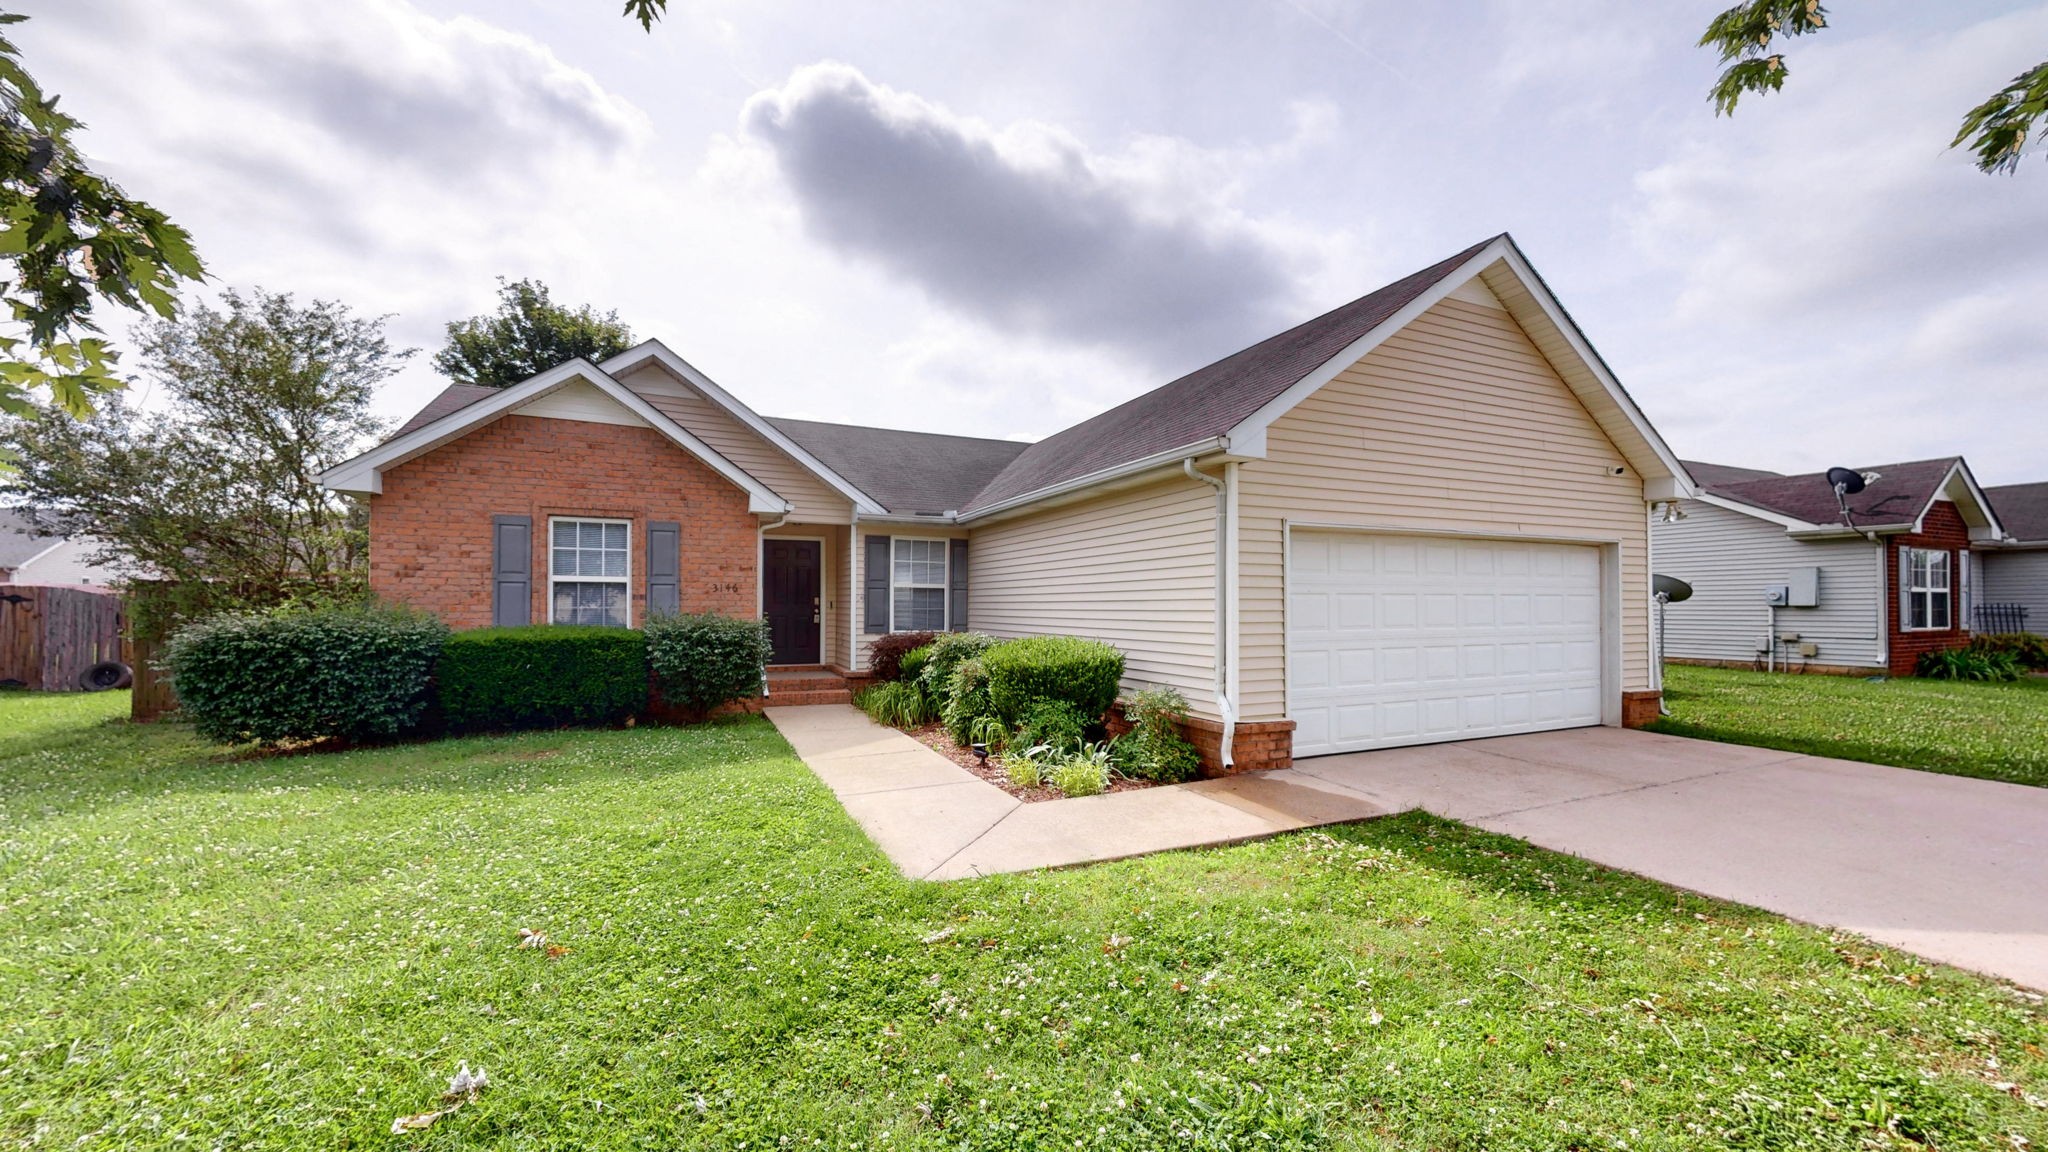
(1747, 36)
(70, 238)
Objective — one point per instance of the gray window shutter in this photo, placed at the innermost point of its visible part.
(511, 570)
(875, 582)
(664, 567)
(956, 588)
(1905, 583)
(1961, 594)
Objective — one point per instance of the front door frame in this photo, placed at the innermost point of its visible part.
(823, 558)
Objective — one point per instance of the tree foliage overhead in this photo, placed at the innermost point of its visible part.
(527, 335)
(69, 239)
(646, 12)
(217, 494)
(1746, 35)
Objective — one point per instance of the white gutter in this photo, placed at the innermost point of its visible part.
(1223, 708)
(1116, 472)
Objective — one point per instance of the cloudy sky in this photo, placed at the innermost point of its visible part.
(1000, 218)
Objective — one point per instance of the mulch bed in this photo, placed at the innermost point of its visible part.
(935, 737)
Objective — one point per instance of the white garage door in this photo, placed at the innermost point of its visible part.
(1409, 640)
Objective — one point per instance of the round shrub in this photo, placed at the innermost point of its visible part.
(911, 668)
(355, 674)
(946, 652)
(1053, 723)
(540, 676)
(700, 662)
(1083, 673)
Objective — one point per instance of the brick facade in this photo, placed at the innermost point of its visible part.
(430, 529)
(1943, 527)
(1640, 709)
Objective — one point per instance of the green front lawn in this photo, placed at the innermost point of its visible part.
(1997, 731)
(208, 951)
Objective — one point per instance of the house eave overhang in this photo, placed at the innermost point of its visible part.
(1082, 485)
(1529, 300)
(662, 354)
(363, 475)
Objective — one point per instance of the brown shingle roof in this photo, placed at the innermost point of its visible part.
(1707, 473)
(2022, 510)
(1897, 498)
(453, 398)
(1208, 401)
(909, 473)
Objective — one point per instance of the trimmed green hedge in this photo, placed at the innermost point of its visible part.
(1083, 673)
(541, 676)
(700, 662)
(354, 674)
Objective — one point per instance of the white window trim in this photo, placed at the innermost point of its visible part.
(945, 584)
(625, 581)
(1914, 590)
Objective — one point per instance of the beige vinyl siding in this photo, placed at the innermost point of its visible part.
(1135, 569)
(1729, 557)
(2015, 578)
(856, 608)
(831, 584)
(811, 498)
(1456, 424)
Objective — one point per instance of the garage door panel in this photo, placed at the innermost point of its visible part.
(1394, 640)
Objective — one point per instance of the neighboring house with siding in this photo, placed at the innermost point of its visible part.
(1870, 594)
(29, 558)
(1421, 516)
(2016, 569)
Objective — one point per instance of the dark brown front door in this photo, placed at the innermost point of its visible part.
(789, 598)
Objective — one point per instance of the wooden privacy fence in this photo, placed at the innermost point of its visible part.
(152, 695)
(51, 633)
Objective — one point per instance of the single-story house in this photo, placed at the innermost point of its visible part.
(29, 558)
(1779, 577)
(1422, 516)
(2016, 568)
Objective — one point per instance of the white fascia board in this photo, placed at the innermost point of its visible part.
(1788, 523)
(363, 474)
(1540, 291)
(661, 353)
(1991, 529)
(1172, 456)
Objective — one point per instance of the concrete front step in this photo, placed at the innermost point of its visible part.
(779, 697)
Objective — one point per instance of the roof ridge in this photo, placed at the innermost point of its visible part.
(897, 431)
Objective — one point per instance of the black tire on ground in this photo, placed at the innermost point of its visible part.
(105, 675)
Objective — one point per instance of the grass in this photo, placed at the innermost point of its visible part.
(209, 950)
(1996, 731)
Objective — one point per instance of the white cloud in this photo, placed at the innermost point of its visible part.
(1844, 288)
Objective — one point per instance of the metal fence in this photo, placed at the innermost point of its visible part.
(1995, 619)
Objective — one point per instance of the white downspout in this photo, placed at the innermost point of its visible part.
(1223, 706)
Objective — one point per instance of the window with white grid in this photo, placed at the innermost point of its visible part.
(917, 583)
(589, 569)
(1927, 589)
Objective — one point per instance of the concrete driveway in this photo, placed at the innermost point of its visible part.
(1951, 869)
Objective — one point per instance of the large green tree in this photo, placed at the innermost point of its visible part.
(215, 493)
(69, 239)
(527, 335)
(1747, 35)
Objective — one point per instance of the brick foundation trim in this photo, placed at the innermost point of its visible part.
(1639, 709)
(1256, 746)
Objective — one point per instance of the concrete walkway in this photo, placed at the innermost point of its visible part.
(1949, 868)
(938, 821)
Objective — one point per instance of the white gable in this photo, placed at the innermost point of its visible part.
(581, 400)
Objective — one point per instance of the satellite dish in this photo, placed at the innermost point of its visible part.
(1671, 588)
(1846, 481)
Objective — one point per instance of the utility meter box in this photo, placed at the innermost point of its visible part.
(1804, 587)
(1778, 595)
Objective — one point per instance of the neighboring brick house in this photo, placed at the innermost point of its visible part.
(1309, 539)
(1870, 593)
